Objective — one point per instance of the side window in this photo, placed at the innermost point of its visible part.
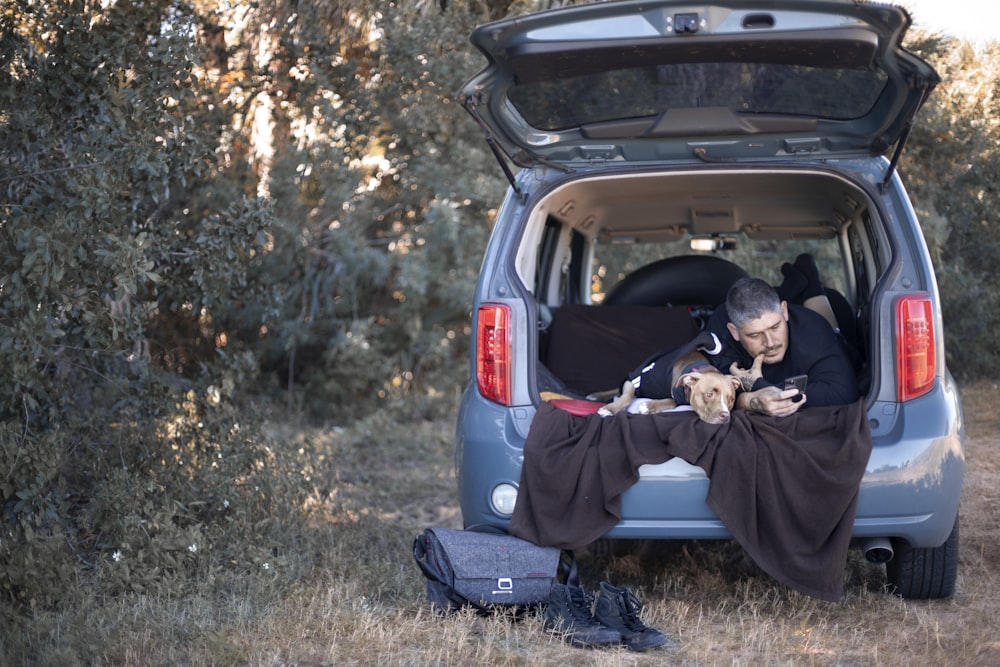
(560, 272)
(759, 258)
(548, 252)
(612, 262)
(863, 279)
(573, 277)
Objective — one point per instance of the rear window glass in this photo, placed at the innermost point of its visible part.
(760, 259)
(749, 88)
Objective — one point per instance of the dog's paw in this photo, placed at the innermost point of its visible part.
(655, 407)
(639, 406)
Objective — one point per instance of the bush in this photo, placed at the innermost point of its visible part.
(952, 167)
(114, 241)
(164, 259)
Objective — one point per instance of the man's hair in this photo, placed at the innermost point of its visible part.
(749, 299)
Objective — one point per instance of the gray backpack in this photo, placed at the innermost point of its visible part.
(487, 569)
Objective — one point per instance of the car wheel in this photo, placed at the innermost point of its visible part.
(924, 573)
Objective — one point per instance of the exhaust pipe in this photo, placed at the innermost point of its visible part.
(878, 549)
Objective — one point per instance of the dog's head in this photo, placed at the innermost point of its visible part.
(712, 395)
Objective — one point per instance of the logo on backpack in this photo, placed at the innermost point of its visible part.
(505, 586)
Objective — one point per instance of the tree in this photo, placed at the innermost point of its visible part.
(119, 232)
(952, 167)
(191, 194)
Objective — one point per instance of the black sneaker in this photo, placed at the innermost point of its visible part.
(568, 612)
(792, 284)
(618, 608)
(806, 264)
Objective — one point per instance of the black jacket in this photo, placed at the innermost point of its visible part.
(814, 349)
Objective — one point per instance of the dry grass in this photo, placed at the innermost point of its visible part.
(363, 601)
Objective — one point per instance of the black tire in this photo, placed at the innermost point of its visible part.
(685, 280)
(926, 573)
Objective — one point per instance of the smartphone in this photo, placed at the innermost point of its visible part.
(797, 382)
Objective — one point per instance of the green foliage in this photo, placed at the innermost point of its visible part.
(147, 503)
(114, 239)
(201, 202)
(952, 168)
(181, 223)
(377, 245)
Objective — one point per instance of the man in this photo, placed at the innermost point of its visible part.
(766, 340)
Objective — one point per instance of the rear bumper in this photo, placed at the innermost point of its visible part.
(911, 487)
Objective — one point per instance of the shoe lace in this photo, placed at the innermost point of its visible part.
(579, 605)
(631, 607)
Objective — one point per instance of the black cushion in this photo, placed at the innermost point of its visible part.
(593, 348)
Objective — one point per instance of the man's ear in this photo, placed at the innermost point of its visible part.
(733, 331)
(784, 310)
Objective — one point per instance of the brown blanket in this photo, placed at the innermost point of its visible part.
(786, 488)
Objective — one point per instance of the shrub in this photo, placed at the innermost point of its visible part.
(952, 166)
(110, 230)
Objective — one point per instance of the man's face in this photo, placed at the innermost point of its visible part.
(767, 335)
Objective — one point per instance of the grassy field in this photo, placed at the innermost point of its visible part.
(343, 590)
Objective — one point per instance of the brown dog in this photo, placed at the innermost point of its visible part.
(696, 382)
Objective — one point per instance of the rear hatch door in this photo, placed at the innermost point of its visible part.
(637, 81)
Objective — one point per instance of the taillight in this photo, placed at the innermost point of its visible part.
(493, 352)
(915, 345)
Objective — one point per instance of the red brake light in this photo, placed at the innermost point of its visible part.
(493, 352)
(915, 346)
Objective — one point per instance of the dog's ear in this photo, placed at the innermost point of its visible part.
(690, 379)
(735, 380)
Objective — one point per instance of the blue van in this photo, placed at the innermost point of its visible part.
(658, 150)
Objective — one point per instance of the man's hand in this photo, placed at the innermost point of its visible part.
(771, 401)
(748, 376)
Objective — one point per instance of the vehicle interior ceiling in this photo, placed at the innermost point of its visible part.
(765, 214)
(761, 212)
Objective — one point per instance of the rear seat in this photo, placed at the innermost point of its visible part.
(593, 348)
